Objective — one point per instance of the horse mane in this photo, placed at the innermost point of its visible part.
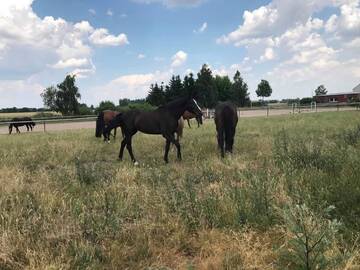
(177, 102)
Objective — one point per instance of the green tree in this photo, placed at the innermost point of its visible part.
(49, 98)
(63, 98)
(239, 91)
(320, 90)
(264, 89)
(156, 96)
(206, 88)
(105, 105)
(175, 88)
(189, 84)
(85, 110)
(124, 102)
(223, 86)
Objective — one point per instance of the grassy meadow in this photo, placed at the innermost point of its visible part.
(288, 198)
(9, 116)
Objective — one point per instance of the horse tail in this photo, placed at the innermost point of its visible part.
(100, 125)
(229, 120)
(180, 128)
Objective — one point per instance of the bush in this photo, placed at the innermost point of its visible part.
(311, 239)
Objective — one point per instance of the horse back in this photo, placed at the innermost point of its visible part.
(226, 115)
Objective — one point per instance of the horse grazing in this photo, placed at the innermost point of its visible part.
(162, 121)
(102, 121)
(188, 115)
(225, 120)
(19, 122)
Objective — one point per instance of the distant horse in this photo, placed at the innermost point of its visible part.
(19, 122)
(102, 121)
(180, 128)
(188, 115)
(163, 121)
(225, 120)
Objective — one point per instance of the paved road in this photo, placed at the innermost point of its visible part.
(91, 124)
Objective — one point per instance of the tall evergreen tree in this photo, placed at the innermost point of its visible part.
(175, 88)
(223, 86)
(156, 96)
(189, 84)
(206, 88)
(239, 91)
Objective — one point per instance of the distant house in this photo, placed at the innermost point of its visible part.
(340, 97)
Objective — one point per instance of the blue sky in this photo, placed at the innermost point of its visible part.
(118, 48)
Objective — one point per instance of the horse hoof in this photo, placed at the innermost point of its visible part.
(136, 163)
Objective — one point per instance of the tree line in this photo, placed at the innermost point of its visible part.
(208, 89)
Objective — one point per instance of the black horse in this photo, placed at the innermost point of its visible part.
(162, 121)
(225, 120)
(23, 121)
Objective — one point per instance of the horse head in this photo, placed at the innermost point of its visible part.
(193, 107)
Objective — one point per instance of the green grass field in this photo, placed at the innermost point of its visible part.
(288, 198)
(8, 116)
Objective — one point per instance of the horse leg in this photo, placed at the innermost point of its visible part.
(129, 148)
(17, 129)
(220, 138)
(167, 148)
(171, 138)
(123, 144)
(115, 133)
(10, 130)
(188, 120)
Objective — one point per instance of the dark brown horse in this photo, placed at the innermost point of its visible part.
(162, 121)
(188, 115)
(102, 121)
(225, 120)
(23, 121)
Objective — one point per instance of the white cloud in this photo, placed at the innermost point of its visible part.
(348, 22)
(109, 12)
(178, 59)
(71, 63)
(141, 56)
(173, 3)
(30, 45)
(123, 15)
(102, 37)
(268, 55)
(305, 51)
(20, 93)
(92, 11)
(202, 28)
(128, 86)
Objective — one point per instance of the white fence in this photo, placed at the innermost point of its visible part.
(275, 109)
(270, 110)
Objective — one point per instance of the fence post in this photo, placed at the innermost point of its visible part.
(337, 107)
(315, 107)
(299, 109)
(267, 111)
(44, 126)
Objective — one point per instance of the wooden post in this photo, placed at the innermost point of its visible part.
(267, 111)
(44, 126)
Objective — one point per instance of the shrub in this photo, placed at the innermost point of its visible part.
(311, 237)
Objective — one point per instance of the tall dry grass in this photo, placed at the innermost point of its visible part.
(67, 203)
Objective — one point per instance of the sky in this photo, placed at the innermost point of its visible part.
(118, 48)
